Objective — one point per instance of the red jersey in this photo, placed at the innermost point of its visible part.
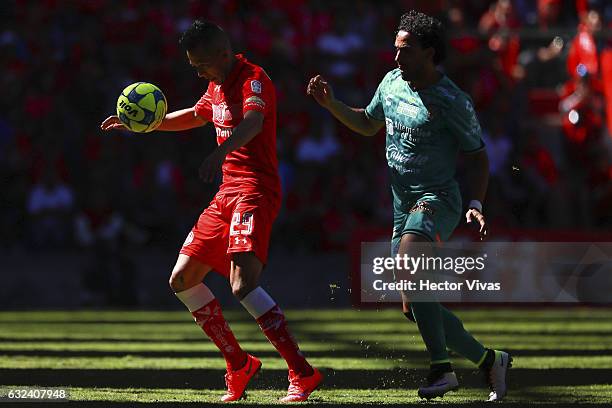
(254, 166)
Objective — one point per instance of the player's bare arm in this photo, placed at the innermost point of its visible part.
(183, 119)
(249, 127)
(353, 118)
(477, 166)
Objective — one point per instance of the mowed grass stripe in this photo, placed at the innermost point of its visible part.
(377, 363)
(196, 336)
(173, 363)
(335, 315)
(401, 326)
(520, 340)
(205, 346)
(399, 343)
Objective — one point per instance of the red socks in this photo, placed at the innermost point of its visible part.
(274, 326)
(211, 320)
(207, 313)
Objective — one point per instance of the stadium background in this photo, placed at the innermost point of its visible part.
(100, 216)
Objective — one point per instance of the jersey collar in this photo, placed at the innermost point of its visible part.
(231, 78)
(431, 87)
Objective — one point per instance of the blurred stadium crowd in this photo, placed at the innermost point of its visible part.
(536, 70)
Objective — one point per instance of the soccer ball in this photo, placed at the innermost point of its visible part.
(141, 107)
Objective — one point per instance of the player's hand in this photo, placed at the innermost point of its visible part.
(321, 91)
(112, 122)
(211, 165)
(473, 214)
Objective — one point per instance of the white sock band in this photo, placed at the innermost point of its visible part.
(258, 302)
(196, 297)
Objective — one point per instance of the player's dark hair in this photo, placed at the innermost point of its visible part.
(428, 31)
(205, 34)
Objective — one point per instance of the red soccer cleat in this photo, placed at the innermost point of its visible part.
(238, 380)
(300, 388)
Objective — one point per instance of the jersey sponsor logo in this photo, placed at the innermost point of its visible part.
(224, 133)
(412, 100)
(399, 160)
(401, 127)
(394, 154)
(255, 100)
(415, 135)
(256, 86)
(406, 109)
(389, 125)
(221, 113)
(407, 131)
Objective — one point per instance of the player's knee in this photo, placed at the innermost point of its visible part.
(405, 305)
(408, 312)
(174, 282)
(242, 283)
(241, 288)
(178, 279)
(244, 277)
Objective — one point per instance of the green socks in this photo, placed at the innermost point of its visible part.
(460, 340)
(428, 316)
(440, 329)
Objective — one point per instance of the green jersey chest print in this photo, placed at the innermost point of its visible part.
(425, 130)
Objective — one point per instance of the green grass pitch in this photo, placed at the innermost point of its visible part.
(368, 357)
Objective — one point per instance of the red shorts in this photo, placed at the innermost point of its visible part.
(236, 222)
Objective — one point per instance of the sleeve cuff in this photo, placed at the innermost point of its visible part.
(478, 149)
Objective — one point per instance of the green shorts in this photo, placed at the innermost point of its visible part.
(433, 215)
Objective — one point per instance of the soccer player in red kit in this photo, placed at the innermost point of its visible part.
(233, 233)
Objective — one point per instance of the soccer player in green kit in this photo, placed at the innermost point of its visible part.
(428, 121)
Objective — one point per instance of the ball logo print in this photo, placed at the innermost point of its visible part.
(141, 107)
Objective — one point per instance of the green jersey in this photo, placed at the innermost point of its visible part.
(425, 130)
